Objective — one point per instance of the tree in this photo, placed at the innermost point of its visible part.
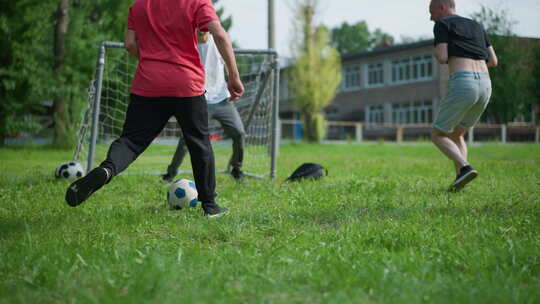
(50, 55)
(49, 50)
(357, 37)
(90, 23)
(79, 28)
(535, 83)
(512, 96)
(226, 22)
(352, 38)
(62, 120)
(405, 39)
(381, 39)
(21, 63)
(316, 71)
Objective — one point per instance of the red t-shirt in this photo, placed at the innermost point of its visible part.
(169, 63)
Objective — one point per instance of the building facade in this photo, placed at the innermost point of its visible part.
(395, 84)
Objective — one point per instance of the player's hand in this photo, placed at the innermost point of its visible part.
(236, 88)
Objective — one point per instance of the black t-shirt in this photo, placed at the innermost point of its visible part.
(465, 37)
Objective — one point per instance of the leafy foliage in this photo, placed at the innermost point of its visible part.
(27, 58)
(27, 75)
(316, 72)
(381, 39)
(226, 22)
(353, 38)
(512, 80)
(535, 83)
(23, 75)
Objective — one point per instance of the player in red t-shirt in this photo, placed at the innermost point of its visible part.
(169, 81)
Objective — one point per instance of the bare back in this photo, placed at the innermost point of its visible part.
(460, 64)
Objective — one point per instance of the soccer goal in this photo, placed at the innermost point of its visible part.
(108, 98)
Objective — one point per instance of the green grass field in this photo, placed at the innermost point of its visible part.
(380, 229)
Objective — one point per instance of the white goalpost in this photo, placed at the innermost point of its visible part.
(108, 98)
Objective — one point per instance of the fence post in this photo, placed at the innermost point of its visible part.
(537, 135)
(503, 134)
(470, 138)
(359, 133)
(399, 134)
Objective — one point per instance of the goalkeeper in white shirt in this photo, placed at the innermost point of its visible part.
(219, 108)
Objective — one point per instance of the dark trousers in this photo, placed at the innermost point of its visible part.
(227, 115)
(145, 119)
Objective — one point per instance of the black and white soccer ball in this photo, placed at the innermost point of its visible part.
(182, 194)
(69, 170)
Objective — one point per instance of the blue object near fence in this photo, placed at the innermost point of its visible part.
(298, 131)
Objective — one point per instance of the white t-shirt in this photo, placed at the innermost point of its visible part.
(215, 84)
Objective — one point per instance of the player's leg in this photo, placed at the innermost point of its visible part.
(467, 173)
(443, 141)
(462, 95)
(458, 137)
(192, 115)
(145, 118)
(178, 157)
(229, 118)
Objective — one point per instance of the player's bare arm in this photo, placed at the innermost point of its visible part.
(130, 43)
(236, 88)
(493, 61)
(441, 53)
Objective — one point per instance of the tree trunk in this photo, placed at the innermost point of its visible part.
(308, 12)
(60, 106)
(536, 114)
(310, 127)
(314, 127)
(2, 130)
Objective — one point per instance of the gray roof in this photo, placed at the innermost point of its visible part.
(286, 64)
(388, 49)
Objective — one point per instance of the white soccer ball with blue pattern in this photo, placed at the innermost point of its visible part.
(182, 194)
(69, 170)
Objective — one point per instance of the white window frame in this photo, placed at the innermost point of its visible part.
(412, 112)
(375, 114)
(377, 70)
(412, 69)
(352, 77)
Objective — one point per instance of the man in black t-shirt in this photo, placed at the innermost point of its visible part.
(462, 44)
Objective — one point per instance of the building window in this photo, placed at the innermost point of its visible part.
(331, 113)
(375, 74)
(399, 113)
(419, 68)
(351, 77)
(412, 112)
(375, 114)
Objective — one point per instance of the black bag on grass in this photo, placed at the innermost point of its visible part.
(307, 171)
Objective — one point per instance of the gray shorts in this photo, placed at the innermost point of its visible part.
(467, 98)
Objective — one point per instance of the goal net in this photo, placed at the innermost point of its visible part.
(108, 94)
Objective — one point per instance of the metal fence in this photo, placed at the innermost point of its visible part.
(360, 131)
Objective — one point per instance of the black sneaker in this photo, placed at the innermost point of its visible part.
(214, 210)
(466, 175)
(82, 188)
(167, 178)
(239, 176)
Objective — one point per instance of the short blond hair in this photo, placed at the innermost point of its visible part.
(450, 3)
